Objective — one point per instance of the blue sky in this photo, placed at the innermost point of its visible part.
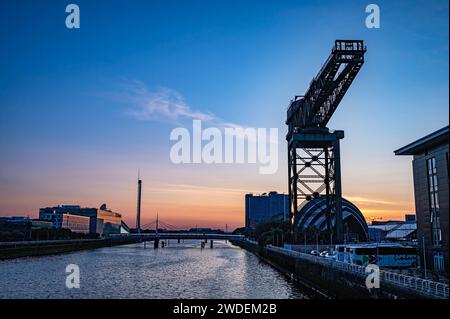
(67, 97)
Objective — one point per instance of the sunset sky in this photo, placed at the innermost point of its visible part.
(81, 110)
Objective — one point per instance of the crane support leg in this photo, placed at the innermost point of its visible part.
(338, 191)
(314, 171)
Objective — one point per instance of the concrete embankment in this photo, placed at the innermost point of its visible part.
(326, 279)
(10, 250)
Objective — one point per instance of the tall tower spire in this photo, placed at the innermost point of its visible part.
(138, 215)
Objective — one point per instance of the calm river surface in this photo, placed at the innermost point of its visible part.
(130, 271)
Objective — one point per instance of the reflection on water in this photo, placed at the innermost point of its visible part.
(177, 271)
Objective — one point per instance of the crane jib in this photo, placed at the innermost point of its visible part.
(327, 89)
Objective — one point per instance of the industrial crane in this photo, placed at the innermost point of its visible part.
(313, 151)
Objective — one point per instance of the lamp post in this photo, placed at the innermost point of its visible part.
(304, 237)
(424, 258)
(317, 242)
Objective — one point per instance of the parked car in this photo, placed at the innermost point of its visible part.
(314, 252)
(330, 255)
(323, 253)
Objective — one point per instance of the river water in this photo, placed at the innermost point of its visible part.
(177, 271)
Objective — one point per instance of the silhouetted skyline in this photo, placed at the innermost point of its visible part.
(82, 110)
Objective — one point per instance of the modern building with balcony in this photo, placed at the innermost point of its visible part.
(76, 223)
(431, 192)
(100, 220)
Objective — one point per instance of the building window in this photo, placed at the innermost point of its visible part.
(448, 172)
(438, 259)
(434, 201)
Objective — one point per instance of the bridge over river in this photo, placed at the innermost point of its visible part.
(156, 237)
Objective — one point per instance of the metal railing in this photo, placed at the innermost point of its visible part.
(422, 286)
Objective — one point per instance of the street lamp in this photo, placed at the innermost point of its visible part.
(424, 258)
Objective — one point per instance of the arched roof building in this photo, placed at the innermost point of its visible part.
(312, 216)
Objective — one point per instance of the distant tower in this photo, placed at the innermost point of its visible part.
(138, 217)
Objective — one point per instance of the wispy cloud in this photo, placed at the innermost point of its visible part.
(162, 104)
(369, 200)
(181, 188)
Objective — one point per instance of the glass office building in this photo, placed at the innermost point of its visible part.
(265, 207)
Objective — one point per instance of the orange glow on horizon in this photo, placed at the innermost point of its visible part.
(190, 205)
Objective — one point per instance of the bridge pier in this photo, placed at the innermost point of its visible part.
(211, 245)
(156, 243)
